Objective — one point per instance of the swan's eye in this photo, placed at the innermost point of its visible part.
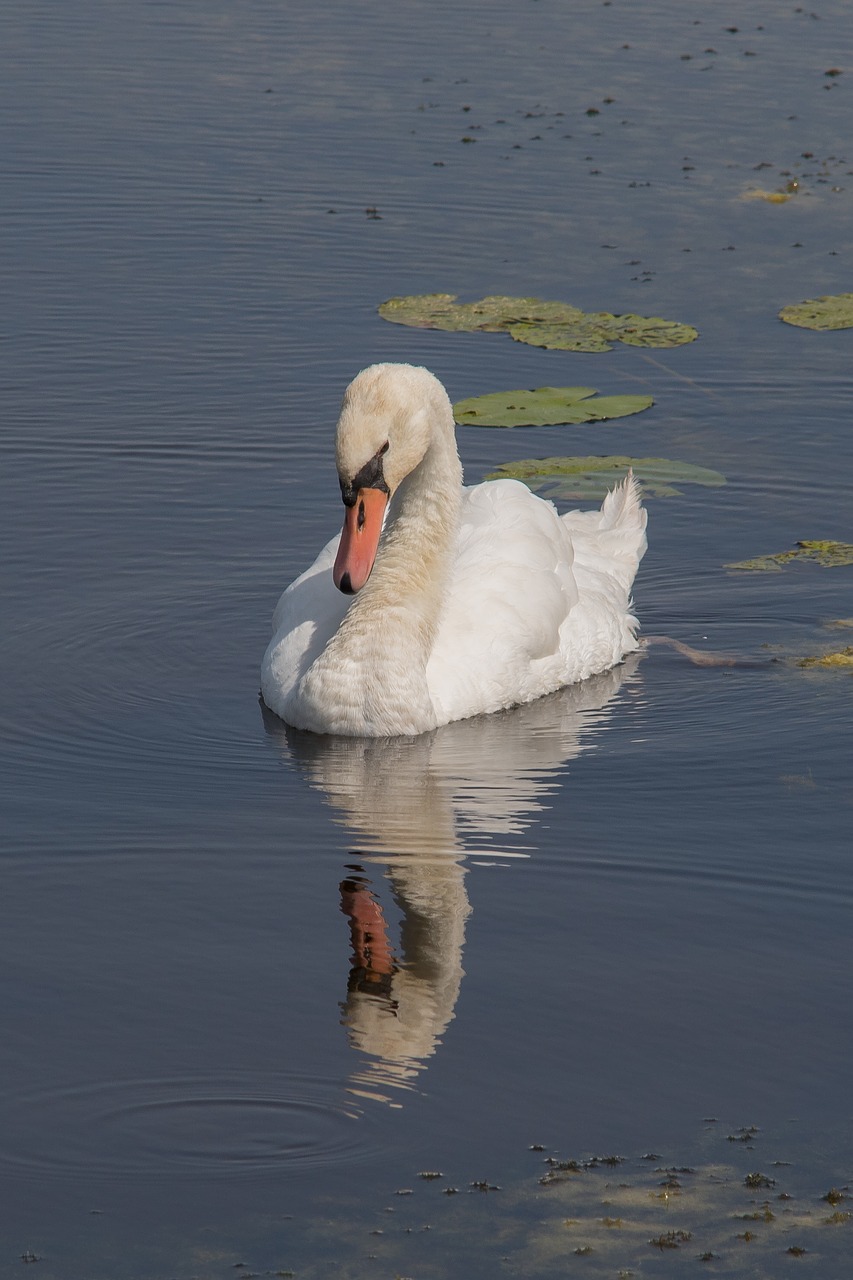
(361, 514)
(384, 449)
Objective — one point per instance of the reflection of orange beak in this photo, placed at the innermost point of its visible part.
(359, 540)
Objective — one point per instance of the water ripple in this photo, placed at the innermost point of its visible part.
(203, 1127)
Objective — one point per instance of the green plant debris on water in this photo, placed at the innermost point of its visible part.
(824, 552)
(546, 407)
(833, 311)
(765, 1214)
(671, 1239)
(605, 1220)
(536, 321)
(574, 478)
(770, 197)
(744, 1134)
(842, 660)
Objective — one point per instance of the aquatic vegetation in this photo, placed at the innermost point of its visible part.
(671, 1239)
(559, 1170)
(616, 1224)
(765, 1214)
(546, 406)
(571, 478)
(832, 311)
(536, 321)
(824, 552)
(597, 330)
(744, 1134)
(842, 659)
(769, 197)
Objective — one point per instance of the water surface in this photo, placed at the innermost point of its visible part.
(608, 917)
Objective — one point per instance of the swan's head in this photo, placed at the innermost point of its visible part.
(384, 431)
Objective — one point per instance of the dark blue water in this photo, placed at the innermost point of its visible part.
(614, 914)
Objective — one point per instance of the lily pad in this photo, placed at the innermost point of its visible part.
(555, 325)
(597, 330)
(826, 553)
(833, 311)
(545, 407)
(591, 477)
(837, 661)
(490, 314)
(578, 336)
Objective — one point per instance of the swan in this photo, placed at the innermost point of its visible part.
(438, 602)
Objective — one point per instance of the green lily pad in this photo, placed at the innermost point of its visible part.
(827, 553)
(545, 407)
(490, 314)
(555, 325)
(580, 335)
(833, 311)
(597, 330)
(572, 478)
(841, 660)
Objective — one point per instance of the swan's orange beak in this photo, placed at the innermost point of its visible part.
(359, 540)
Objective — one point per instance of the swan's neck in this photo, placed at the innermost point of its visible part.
(374, 668)
(413, 563)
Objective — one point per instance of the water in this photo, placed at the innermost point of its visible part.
(613, 915)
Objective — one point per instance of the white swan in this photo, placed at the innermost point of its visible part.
(468, 599)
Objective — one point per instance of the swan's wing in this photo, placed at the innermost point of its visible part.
(536, 600)
(511, 590)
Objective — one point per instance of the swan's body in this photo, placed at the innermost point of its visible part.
(479, 598)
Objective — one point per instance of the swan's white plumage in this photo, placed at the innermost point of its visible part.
(480, 597)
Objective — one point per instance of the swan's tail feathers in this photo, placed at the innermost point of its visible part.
(623, 507)
(611, 541)
(623, 525)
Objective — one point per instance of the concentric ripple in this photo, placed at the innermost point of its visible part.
(202, 1127)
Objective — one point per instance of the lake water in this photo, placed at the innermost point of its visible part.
(619, 920)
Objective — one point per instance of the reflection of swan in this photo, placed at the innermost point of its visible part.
(480, 598)
(417, 806)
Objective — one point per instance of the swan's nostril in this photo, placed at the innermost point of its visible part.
(361, 516)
